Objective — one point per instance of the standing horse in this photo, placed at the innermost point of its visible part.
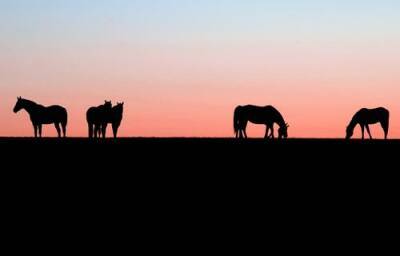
(40, 115)
(96, 118)
(365, 117)
(267, 116)
(116, 117)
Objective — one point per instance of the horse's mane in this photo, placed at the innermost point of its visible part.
(31, 102)
(281, 120)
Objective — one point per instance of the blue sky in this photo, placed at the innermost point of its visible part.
(296, 54)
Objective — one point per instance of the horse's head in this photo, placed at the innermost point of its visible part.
(119, 108)
(283, 132)
(349, 132)
(107, 105)
(120, 105)
(19, 105)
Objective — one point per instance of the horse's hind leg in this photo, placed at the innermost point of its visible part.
(385, 127)
(57, 125)
(244, 129)
(272, 132)
(369, 131)
(40, 130)
(64, 130)
(362, 132)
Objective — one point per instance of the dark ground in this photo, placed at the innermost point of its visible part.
(210, 188)
(204, 159)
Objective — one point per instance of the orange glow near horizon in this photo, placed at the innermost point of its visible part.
(182, 68)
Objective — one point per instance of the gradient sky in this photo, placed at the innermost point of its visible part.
(181, 66)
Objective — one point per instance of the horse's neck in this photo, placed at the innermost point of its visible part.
(31, 107)
(117, 117)
(354, 122)
(117, 112)
(281, 122)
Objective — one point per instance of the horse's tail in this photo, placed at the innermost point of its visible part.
(236, 121)
(90, 130)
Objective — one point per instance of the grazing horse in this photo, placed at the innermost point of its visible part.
(365, 117)
(267, 116)
(97, 118)
(40, 115)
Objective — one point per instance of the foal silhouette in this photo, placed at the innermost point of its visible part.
(267, 116)
(40, 115)
(365, 117)
(97, 118)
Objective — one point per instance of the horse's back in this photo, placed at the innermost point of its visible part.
(51, 114)
(374, 115)
(383, 111)
(260, 114)
(91, 114)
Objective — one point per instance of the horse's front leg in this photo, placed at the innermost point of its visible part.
(35, 130)
(272, 132)
(240, 134)
(369, 132)
(104, 130)
(115, 130)
(362, 131)
(266, 132)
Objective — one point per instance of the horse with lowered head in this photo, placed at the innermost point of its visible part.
(365, 117)
(267, 116)
(97, 118)
(41, 115)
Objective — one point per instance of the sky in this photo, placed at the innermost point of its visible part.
(182, 66)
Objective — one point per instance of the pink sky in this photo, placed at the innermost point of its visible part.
(184, 78)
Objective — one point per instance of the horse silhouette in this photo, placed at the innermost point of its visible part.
(267, 116)
(116, 117)
(41, 115)
(365, 117)
(97, 118)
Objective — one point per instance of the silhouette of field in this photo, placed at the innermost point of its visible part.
(150, 176)
(183, 144)
(134, 152)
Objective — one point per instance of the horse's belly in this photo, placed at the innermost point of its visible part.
(44, 120)
(373, 121)
(48, 121)
(258, 121)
